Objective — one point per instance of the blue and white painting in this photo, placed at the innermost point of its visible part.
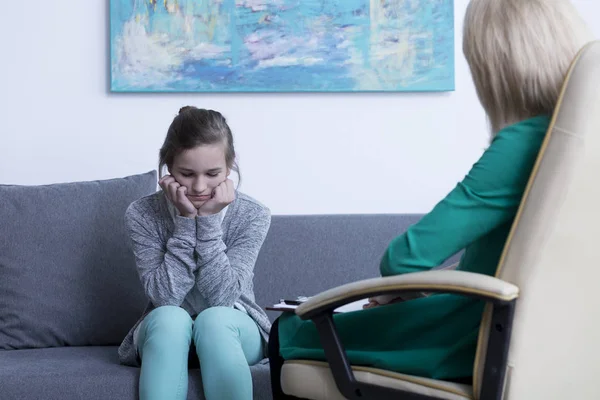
(282, 45)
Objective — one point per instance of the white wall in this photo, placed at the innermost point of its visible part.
(299, 153)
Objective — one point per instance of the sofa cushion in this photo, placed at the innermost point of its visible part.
(91, 373)
(67, 274)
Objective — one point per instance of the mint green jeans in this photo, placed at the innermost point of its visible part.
(227, 341)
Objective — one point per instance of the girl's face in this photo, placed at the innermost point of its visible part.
(200, 170)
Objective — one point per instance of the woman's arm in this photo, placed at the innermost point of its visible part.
(225, 273)
(487, 198)
(166, 272)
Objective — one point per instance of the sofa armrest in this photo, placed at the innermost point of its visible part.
(469, 284)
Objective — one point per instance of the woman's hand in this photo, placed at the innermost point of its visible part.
(223, 195)
(371, 304)
(382, 300)
(177, 195)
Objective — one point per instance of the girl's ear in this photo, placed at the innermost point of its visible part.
(228, 172)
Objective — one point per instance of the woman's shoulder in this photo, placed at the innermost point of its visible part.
(508, 161)
(520, 139)
(535, 125)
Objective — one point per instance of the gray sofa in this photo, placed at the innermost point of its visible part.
(69, 291)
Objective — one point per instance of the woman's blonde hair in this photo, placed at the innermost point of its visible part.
(519, 52)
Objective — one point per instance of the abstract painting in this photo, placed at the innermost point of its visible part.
(282, 45)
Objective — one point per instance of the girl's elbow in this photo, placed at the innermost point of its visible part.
(159, 300)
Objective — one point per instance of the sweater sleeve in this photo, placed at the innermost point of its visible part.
(166, 272)
(227, 272)
(488, 197)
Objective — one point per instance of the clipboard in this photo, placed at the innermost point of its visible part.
(351, 307)
(287, 305)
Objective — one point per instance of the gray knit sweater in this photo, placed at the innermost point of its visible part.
(212, 255)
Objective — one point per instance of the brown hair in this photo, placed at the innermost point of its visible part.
(194, 127)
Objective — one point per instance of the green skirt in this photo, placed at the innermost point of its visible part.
(433, 337)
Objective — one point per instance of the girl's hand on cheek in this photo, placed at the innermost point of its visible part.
(223, 195)
(176, 194)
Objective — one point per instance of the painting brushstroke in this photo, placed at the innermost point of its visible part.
(282, 45)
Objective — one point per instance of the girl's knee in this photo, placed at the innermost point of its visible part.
(215, 321)
(169, 320)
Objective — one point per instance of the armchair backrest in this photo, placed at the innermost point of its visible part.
(553, 254)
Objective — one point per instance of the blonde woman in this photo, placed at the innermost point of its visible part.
(519, 53)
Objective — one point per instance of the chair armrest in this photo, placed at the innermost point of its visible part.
(436, 281)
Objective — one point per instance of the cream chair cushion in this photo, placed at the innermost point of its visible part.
(313, 380)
